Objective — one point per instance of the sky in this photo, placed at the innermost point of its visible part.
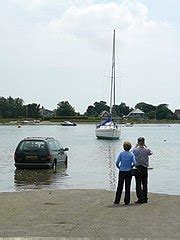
(61, 50)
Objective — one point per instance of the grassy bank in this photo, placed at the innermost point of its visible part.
(84, 119)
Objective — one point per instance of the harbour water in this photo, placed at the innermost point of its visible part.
(91, 163)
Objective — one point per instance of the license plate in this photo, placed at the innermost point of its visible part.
(31, 157)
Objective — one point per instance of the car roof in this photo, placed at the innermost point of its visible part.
(38, 138)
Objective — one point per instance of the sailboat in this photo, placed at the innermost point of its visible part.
(108, 129)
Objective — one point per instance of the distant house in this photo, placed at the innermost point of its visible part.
(46, 113)
(136, 113)
(105, 114)
(177, 113)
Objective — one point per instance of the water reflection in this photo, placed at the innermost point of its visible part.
(91, 162)
(111, 166)
(38, 178)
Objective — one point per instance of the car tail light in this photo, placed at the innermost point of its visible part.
(49, 157)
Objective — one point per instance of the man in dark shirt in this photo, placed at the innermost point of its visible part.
(142, 154)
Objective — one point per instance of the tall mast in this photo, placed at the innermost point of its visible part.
(112, 94)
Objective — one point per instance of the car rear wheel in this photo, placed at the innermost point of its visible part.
(54, 166)
(66, 161)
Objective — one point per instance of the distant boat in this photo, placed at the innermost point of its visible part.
(68, 123)
(108, 129)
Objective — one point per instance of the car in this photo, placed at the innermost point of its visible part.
(40, 152)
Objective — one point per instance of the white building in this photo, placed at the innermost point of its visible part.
(46, 113)
(177, 112)
(136, 113)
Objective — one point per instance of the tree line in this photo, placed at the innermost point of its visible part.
(15, 108)
(158, 112)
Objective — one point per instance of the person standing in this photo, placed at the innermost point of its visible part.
(142, 154)
(125, 162)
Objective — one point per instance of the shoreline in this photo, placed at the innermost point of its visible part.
(47, 122)
(133, 192)
(87, 214)
(81, 123)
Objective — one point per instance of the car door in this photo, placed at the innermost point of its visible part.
(54, 150)
(62, 155)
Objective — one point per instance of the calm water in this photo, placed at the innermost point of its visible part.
(91, 163)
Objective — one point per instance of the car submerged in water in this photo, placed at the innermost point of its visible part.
(40, 152)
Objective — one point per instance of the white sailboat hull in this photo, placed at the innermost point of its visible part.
(107, 132)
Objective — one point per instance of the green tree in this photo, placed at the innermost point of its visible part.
(11, 108)
(14, 108)
(65, 109)
(97, 109)
(90, 111)
(100, 107)
(163, 112)
(18, 107)
(151, 114)
(121, 110)
(32, 110)
(145, 107)
(3, 107)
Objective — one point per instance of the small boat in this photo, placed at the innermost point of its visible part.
(108, 128)
(68, 123)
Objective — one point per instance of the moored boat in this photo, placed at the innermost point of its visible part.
(68, 123)
(108, 128)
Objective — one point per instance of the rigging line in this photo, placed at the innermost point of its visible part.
(114, 65)
(112, 95)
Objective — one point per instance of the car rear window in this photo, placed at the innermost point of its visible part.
(32, 145)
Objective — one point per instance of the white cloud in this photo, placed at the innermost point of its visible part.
(96, 20)
(38, 4)
(71, 49)
(30, 4)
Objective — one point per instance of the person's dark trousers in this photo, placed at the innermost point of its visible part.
(124, 176)
(142, 183)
